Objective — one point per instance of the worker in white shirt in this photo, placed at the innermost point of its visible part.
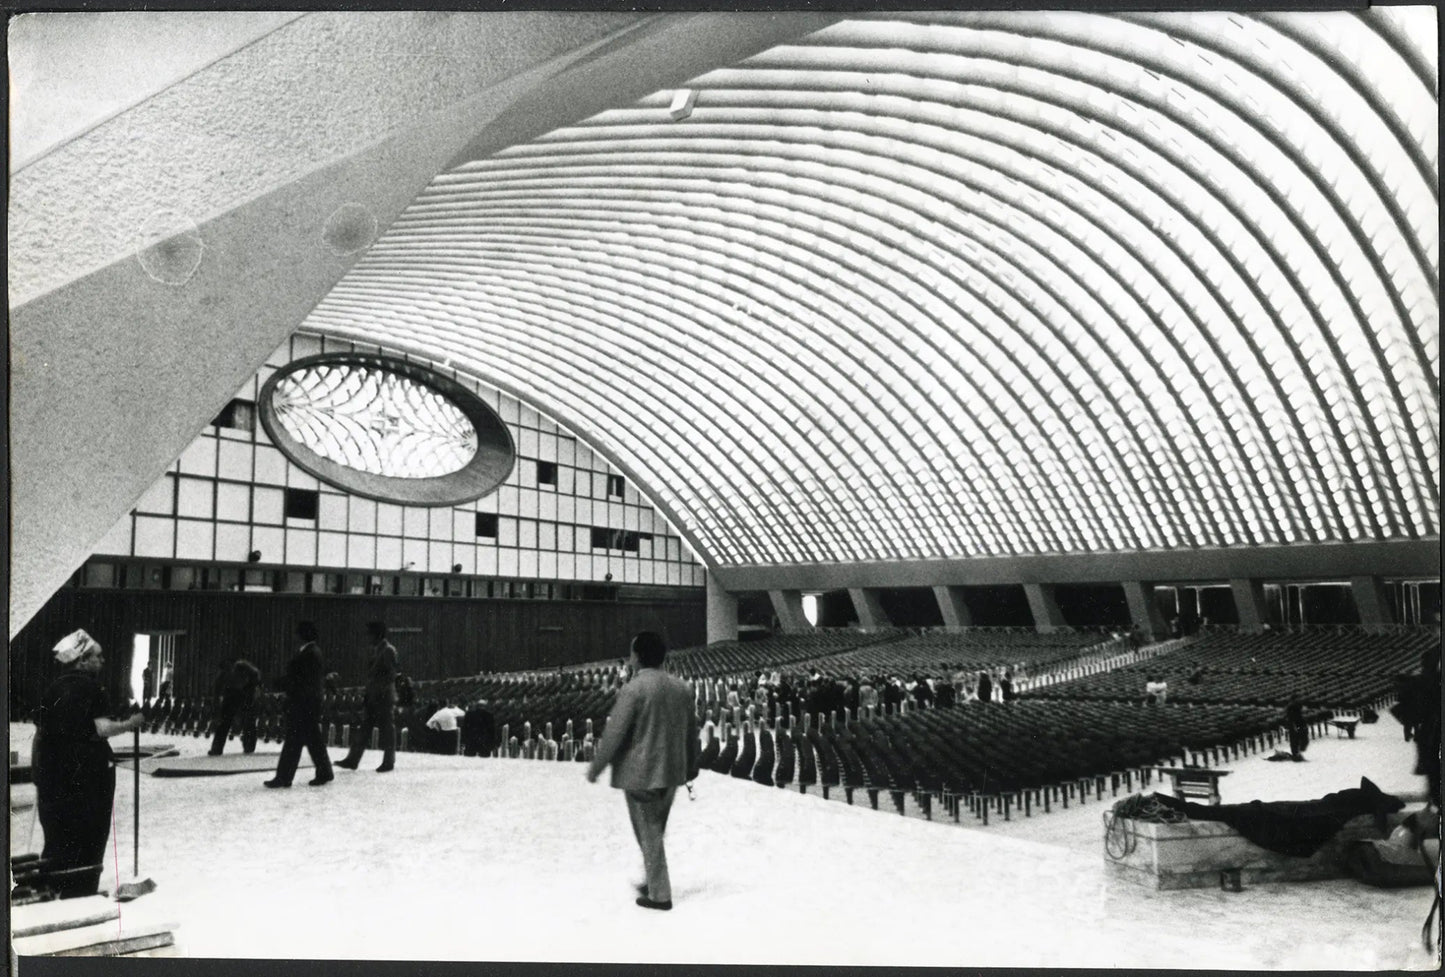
(445, 718)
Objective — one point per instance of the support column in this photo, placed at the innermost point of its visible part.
(722, 613)
(1249, 604)
(788, 605)
(870, 609)
(1372, 601)
(1047, 616)
(1144, 609)
(953, 607)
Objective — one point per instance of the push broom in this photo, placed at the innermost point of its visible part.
(127, 891)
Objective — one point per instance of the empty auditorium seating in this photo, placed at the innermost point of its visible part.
(938, 653)
(747, 758)
(728, 756)
(762, 772)
(1328, 667)
(1084, 726)
(734, 658)
(787, 759)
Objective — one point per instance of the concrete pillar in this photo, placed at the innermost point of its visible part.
(870, 609)
(953, 607)
(1372, 601)
(722, 613)
(1044, 608)
(1249, 604)
(788, 605)
(1144, 609)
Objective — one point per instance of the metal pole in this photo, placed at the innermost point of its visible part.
(136, 807)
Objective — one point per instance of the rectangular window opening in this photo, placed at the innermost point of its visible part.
(487, 524)
(99, 575)
(546, 473)
(239, 415)
(302, 503)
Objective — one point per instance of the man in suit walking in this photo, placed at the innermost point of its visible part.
(651, 743)
(302, 685)
(379, 702)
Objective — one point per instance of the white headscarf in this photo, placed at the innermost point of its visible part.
(75, 645)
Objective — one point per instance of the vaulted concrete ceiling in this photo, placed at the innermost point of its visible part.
(961, 285)
(158, 257)
(887, 289)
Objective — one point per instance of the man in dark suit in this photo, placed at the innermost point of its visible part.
(651, 743)
(379, 702)
(302, 685)
(478, 730)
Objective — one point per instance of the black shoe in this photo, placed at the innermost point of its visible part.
(320, 781)
(347, 764)
(213, 753)
(275, 783)
(647, 903)
(385, 767)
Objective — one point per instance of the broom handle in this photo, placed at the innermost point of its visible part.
(136, 807)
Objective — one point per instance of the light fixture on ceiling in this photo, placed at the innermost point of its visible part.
(682, 102)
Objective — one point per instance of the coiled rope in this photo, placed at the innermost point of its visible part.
(1119, 840)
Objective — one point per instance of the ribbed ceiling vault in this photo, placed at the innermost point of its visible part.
(949, 285)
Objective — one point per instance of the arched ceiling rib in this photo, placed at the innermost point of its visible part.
(972, 284)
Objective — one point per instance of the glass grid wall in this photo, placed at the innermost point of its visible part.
(225, 497)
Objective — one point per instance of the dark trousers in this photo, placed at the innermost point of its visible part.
(1299, 739)
(477, 742)
(648, 810)
(447, 742)
(303, 729)
(76, 822)
(378, 716)
(231, 714)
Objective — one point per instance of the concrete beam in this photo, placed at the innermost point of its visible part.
(1249, 603)
(218, 224)
(722, 613)
(870, 609)
(1144, 609)
(788, 605)
(1324, 561)
(1371, 600)
(1047, 616)
(953, 607)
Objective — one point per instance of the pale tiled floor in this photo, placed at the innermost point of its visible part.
(455, 859)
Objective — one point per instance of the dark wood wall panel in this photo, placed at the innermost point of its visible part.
(436, 637)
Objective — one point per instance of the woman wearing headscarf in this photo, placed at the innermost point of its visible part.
(74, 775)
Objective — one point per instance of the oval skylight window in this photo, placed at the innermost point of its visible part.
(386, 428)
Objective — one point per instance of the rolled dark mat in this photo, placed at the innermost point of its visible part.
(216, 766)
